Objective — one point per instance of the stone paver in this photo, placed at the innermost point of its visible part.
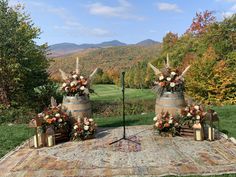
(155, 156)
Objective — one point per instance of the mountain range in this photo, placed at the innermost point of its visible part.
(62, 49)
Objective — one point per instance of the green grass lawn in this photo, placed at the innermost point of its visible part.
(227, 115)
(113, 93)
(12, 136)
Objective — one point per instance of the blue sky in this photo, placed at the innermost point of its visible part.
(130, 21)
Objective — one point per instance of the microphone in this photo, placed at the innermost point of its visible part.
(123, 80)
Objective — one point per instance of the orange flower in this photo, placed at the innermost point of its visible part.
(162, 84)
(49, 121)
(166, 125)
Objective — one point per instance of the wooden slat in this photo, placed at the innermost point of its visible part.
(186, 131)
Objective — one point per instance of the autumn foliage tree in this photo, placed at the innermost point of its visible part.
(201, 22)
(209, 46)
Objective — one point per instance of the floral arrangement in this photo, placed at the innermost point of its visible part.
(166, 123)
(54, 116)
(191, 113)
(76, 85)
(170, 80)
(83, 129)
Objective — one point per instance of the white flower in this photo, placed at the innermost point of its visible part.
(196, 107)
(156, 124)
(90, 120)
(60, 120)
(67, 89)
(64, 85)
(173, 73)
(168, 79)
(75, 127)
(86, 127)
(161, 77)
(170, 121)
(155, 118)
(189, 114)
(46, 117)
(198, 117)
(172, 84)
(73, 83)
(176, 124)
(40, 115)
(186, 109)
(82, 88)
(57, 115)
(81, 77)
(75, 76)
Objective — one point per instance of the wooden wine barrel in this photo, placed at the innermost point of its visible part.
(172, 102)
(77, 106)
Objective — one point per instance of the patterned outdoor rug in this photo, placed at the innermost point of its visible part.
(154, 156)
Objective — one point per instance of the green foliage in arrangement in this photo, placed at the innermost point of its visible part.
(23, 64)
(209, 46)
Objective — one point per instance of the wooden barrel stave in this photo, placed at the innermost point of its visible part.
(77, 106)
(172, 102)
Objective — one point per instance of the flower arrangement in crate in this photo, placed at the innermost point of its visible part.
(55, 117)
(169, 79)
(166, 124)
(190, 114)
(84, 128)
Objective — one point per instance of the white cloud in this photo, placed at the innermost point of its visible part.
(233, 8)
(123, 10)
(230, 1)
(68, 22)
(99, 32)
(162, 6)
(227, 14)
(73, 27)
(153, 31)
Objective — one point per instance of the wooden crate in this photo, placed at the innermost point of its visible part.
(61, 136)
(186, 131)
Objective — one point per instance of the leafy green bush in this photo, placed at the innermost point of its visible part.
(44, 93)
(16, 115)
(107, 109)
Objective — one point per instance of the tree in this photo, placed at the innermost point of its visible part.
(169, 40)
(23, 64)
(201, 22)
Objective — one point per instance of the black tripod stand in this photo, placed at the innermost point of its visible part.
(123, 103)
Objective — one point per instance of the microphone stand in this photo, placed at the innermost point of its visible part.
(123, 115)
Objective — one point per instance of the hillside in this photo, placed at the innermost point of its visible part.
(147, 42)
(62, 49)
(109, 59)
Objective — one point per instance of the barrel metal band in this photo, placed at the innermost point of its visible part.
(170, 98)
(75, 102)
(79, 110)
(169, 105)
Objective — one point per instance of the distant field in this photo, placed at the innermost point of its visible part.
(114, 93)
